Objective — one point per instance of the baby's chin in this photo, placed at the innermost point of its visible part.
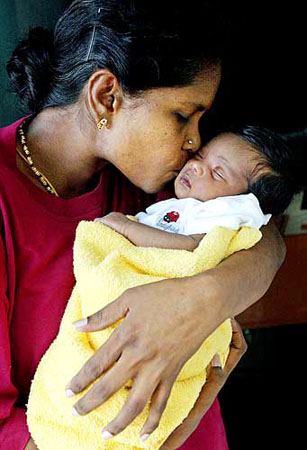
(180, 191)
(179, 194)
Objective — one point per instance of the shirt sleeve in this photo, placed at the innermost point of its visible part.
(242, 210)
(14, 433)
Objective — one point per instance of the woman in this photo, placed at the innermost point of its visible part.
(115, 98)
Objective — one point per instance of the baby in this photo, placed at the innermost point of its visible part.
(239, 178)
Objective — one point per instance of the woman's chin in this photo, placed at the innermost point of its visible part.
(154, 186)
(148, 188)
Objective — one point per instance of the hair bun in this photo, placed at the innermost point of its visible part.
(29, 68)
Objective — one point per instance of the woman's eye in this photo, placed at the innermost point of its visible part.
(182, 118)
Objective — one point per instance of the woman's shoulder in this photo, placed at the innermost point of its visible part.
(7, 164)
(8, 145)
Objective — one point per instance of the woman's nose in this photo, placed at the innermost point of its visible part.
(192, 141)
(195, 136)
(195, 143)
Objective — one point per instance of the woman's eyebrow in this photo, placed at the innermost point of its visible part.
(198, 106)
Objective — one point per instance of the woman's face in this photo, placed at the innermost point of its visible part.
(149, 138)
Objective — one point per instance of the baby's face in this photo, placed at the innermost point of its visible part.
(219, 169)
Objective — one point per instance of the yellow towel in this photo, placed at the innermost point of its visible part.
(105, 265)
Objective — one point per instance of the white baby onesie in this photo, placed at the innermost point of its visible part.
(191, 216)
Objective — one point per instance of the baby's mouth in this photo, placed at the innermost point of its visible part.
(184, 179)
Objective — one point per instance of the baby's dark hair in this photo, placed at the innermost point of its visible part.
(286, 164)
(146, 44)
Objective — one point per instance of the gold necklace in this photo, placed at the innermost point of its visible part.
(44, 180)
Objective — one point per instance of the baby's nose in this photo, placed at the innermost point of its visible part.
(198, 168)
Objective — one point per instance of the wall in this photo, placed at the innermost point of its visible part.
(15, 19)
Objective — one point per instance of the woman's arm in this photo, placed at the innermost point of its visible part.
(244, 277)
(13, 421)
(146, 236)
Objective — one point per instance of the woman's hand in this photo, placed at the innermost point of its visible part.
(215, 381)
(165, 324)
(30, 445)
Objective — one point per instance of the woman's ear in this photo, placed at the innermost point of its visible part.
(104, 95)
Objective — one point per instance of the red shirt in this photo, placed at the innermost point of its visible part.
(36, 280)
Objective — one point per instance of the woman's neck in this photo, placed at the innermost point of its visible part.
(63, 151)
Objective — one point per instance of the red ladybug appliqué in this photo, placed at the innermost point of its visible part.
(172, 216)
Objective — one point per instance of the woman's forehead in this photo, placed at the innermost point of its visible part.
(199, 94)
(196, 98)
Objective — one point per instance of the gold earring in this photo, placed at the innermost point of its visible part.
(102, 123)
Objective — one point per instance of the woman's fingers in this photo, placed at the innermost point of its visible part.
(238, 347)
(105, 316)
(157, 406)
(142, 390)
(238, 340)
(104, 357)
(110, 383)
(109, 352)
(215, 380)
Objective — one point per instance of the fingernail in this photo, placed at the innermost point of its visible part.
(80, 323)
(106, 435)
(144, 437)
(69, 393)
(74, 412)
(216, 361)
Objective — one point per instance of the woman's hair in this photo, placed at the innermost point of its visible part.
(285, 158)
(145, 43)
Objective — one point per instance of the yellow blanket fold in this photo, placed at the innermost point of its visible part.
(105, 265)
